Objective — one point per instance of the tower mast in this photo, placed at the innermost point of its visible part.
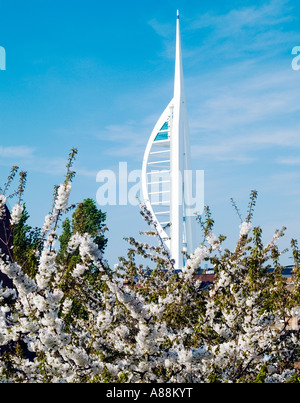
(177, 156)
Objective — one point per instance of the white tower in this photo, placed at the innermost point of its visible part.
(165, 167)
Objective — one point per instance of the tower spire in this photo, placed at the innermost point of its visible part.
(178, 82)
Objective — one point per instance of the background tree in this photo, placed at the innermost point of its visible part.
(87, 218)
(26, 244)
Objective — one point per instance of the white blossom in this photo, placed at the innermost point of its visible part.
(63, 193)
(213, 241)
(2, 205)
(245, 228)
(79, 270)
(66, 306)
(49, 220)
(16, 213)
(196, 258)
(161, 328)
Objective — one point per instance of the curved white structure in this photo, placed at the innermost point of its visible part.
(166, 162)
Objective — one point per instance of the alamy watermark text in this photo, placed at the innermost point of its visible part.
(124, 187)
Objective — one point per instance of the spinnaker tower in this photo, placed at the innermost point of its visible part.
(166, 173)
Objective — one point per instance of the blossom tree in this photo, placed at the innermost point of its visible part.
(87, 322)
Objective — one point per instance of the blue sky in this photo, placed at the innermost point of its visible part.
(96, 75)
